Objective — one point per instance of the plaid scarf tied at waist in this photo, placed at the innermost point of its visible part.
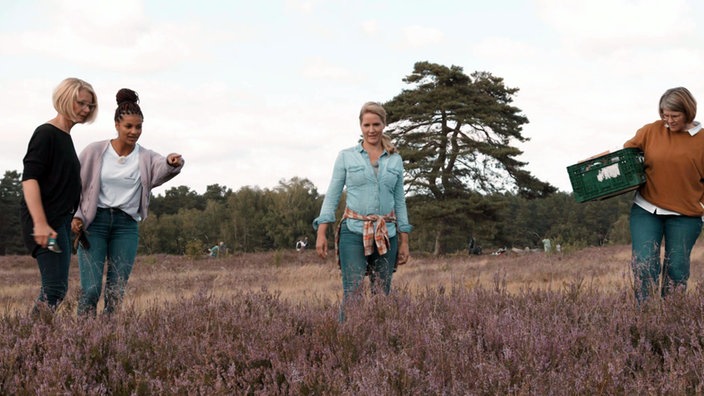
(370, 234)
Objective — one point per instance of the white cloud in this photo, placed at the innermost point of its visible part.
(416, 36)
(320, 68)
(370, 27)
(506, 49)
(304, 6)
(112, 23)
(110, 36)
(603, 26)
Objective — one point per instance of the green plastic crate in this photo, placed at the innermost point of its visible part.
(608, 175)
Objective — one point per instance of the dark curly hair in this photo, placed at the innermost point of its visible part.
(127, 103)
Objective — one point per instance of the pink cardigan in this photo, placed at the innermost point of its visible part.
(153, 170)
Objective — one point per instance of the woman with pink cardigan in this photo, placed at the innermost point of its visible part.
(117, 176)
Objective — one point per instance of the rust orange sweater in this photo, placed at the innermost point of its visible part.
(674, 168)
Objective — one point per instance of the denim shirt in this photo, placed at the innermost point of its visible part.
(367, 192)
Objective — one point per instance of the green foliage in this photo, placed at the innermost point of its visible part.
(214, 222)
(149, 235)
(560, 218)
(294, 205)
(170, 238)
(175, 198)
(620, 231)
(195, 248)
(10, 195)
(248, 220)
(249, 207)
(216, 193)
(253, 219)
(447, 225)
(508, 220)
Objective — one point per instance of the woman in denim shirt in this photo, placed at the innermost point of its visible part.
(372, 237)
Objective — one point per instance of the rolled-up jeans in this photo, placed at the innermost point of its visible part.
(113, 235)
(355, 265)
(647, 232)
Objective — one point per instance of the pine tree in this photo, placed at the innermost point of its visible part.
(456, 134)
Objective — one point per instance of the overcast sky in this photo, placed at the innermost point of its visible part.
(253, 92)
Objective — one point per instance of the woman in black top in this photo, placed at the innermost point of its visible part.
(51, 186)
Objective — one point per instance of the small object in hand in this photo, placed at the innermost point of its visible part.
(80, 239)
(53, 246)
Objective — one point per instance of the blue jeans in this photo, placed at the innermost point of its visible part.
(647, 232)
(113, 235)
(355, 266)
(54, 267)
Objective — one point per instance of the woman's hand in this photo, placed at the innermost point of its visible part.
(404, 253)
(174, 159)
(321, 241)
(76, 225)
(42, 233)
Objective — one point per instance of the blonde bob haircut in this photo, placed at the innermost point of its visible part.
(66, 94)
(378, 109)
(681, 100)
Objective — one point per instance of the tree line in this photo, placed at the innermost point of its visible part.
(252, 219)
(457, 134)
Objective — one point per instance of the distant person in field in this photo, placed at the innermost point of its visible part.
(217, 250)
(670, 203)
(51, 187)
(301, 244)
(547, 245)
(372, 236)
(118, 176)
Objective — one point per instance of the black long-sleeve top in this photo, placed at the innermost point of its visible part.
(51, 160)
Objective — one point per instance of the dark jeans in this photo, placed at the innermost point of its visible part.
(355, 266)
(647, 232)
(112, 235)
(54, 267)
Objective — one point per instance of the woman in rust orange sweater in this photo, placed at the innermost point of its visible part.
(669, 204)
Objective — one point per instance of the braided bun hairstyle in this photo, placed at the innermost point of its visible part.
(127, 103)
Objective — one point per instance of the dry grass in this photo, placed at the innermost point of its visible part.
(305, 278)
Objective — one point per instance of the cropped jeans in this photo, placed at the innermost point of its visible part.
(647, 232)
(112, 235)
(355, 265)
(54, 267)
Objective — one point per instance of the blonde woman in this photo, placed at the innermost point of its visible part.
(51, 186)
(372, 236)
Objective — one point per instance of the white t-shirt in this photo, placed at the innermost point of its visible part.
(120, 182)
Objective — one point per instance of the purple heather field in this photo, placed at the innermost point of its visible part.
(267, 324)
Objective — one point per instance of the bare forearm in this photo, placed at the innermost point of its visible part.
(321, 240)
(322, 230)
(403, 238)
(404, 253)
(33, 198)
